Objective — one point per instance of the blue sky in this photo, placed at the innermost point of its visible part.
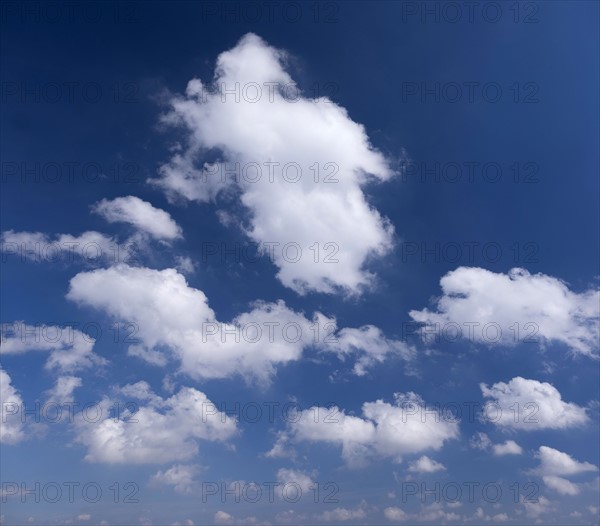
(312, 280)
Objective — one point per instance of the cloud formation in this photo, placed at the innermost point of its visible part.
(384, 431)
(11, 403)
(530, 405)
(69, 349)
(299, 168)
(506, 309)
(174, 320)
(160, 431)
(141, 215)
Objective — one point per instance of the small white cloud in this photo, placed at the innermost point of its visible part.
(11, 405)
(561, 485)
(90, 247)
(385, 430)
(480, 441)
(510, 447)
(554, 462)
(529, 405)
(140, 214)
(185, 264)
(394, 514)
(343, 514)
(535, 509)
(181, 477)
(222, 517)
(70, 349)
(425, 465)
(297, 478)
(506, 309)
(62, 392)
(159, 432)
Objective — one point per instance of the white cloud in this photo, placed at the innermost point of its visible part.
(510, 447)
(342, 514)
(372, 346)
(334, 218)
(185, 264)
(84, 517)
(90, 247)
(158, 432)
(535, 509)
(386, 430)
(480, 441)
(554, 462)
(514, 307)
(175, 320)
(530, 405)
(180, 476)
(394, 514)
(561, 485)
(296, 477)
(425, 465)
(62, 392)
(434, 512)
(141, 214)
(222, 517)
(11, 404)
(69, 348)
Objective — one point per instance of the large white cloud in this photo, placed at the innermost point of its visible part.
(69, 349)
(11, 425)
(530, 405)
(505, 309)
(385, 430)
(175, 320)
(275, 139)
(160, 431)
(141, 214)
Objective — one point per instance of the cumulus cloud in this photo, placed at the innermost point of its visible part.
(371, 345)
(12, 428)
(301, 168)
(69, 349)
(62, 392)
(298, 478)
(222, 517)
(425, 465)
(534, 509)
(554, 462)
(561, 485)
(480, 441)
(510, 447)
(175, 320)
(160, 431)
(90, 247)
(141, 215)
(180, 476)
(385, 430)
(394, 514)
(530, 405)
(504, 309)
